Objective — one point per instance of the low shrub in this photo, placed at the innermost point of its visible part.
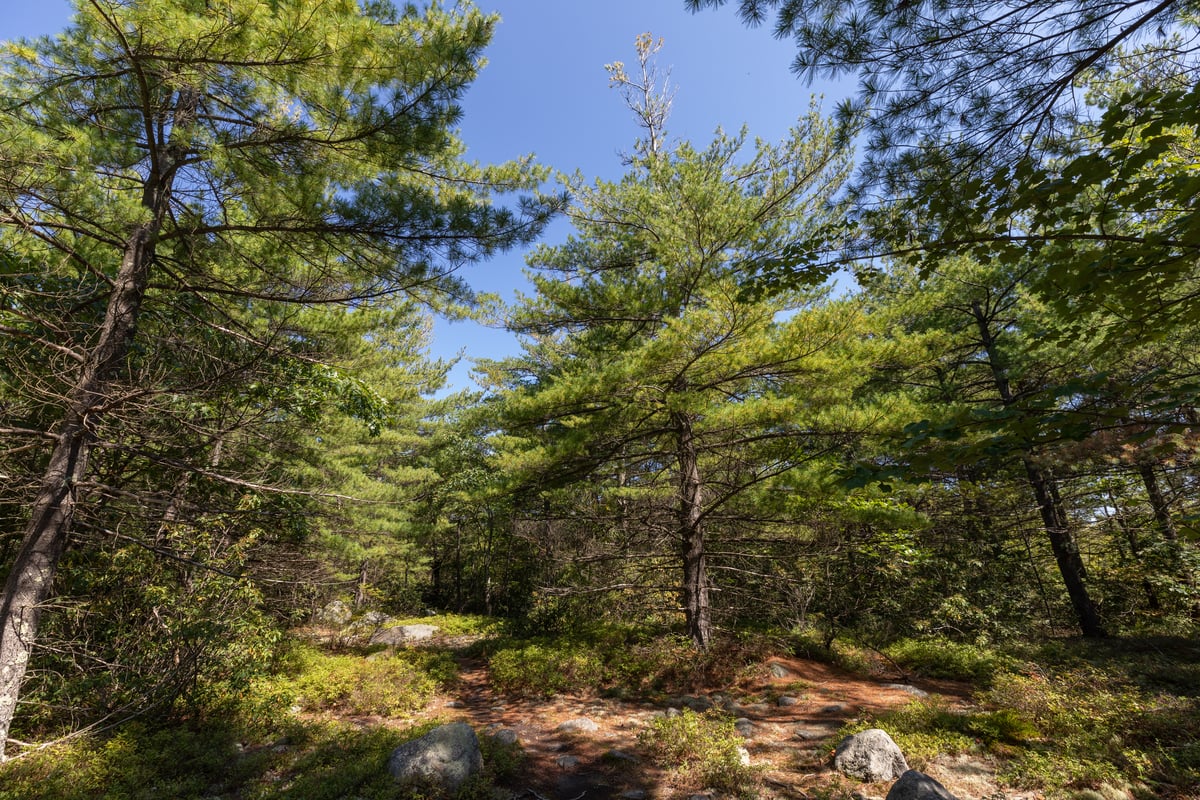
(1099, 729)
(619, 661)
(384, 684)
(546, 668)
(942, 658)
(703, 749)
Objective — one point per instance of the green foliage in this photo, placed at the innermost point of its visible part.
(619, 661)
(252, 185)
(456, 624)
(167, 637)
(1071, 725)
(1099, 729)
(383, 684)
(923, 729)
(546, 668)
(942, 658)
(501, 760)
(702, 748)
(137, 763)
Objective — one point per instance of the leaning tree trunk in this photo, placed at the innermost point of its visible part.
(31, 578)
(695, 587)
(1054, 516)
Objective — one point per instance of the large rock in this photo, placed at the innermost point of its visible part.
(335, 613)
(446, 756)
(870, 756)
(915, 785)
(404, 634)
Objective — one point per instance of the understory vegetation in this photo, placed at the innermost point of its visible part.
(1063, 720)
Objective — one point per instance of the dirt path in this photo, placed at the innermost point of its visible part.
(586, 747)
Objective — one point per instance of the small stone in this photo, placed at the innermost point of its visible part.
(673, 712)
(580, 724)
(699, 704)
(506, 736)
(788, 700)
(780, 671)
(632, 794)
(914, 785)
(834, 708)
(567, 762)
(904, 687)
(744, 727)
(743, 756)
(456, 704)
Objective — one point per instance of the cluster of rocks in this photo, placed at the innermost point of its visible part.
(872, 756)
(373, 627)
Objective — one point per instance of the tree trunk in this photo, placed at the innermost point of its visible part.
(361, 584)
(1062, 544)
(1054, 516)
(31, 579)
(695, 587)
(1158, 503)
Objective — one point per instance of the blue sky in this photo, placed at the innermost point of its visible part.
(545, 92)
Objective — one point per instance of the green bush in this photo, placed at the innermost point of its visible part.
(384, 684)
(546, 668)
(1100, 729)
(617, 660)
(942, 658)
(702, 748)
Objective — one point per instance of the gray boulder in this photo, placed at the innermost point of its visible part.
(697, 704)
(404, 634)
(915, 785)
(335, 613)
(446, 756)
(375, 618)
(579, 725)
(870, 756)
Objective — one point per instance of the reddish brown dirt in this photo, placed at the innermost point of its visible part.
(792, 745)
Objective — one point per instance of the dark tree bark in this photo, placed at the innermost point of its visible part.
(1158, 502)
(1041, 481)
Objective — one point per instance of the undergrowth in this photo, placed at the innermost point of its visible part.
(1066, 719)
(385, 683)
(701, 749)
(618, 661)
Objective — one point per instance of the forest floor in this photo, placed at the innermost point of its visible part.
(791, 744)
